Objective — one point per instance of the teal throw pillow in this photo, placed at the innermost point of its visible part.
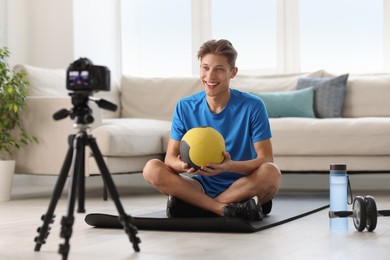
(297, 103)
(329, 94)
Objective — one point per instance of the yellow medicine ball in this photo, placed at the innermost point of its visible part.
(202, 145)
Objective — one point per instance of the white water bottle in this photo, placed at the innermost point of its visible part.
(338, 181)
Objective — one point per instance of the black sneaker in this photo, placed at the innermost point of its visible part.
(177, 208)
(246, 210)
(267, 207)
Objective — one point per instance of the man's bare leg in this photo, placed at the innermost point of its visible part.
(263, 183)
(168, 182)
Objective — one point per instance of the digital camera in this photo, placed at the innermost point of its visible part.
(82, 75)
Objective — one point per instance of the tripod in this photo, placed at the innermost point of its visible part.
(74, 166)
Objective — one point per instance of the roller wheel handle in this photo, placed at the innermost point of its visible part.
(384, 213)
(340, 214)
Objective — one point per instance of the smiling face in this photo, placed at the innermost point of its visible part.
(215, 74)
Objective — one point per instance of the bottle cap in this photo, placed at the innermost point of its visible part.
(338, 166)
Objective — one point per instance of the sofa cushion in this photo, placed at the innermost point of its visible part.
(270, 83)
(155, 98)
(296, 103)
(330, 136)
(138, 102)
(329, 94)
(131, 137)
(367, 96)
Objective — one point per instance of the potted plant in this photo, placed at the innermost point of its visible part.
(13, 93)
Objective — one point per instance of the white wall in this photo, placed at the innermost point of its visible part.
(40, 32)
(53, 33)
(3, 22)
(17, 32)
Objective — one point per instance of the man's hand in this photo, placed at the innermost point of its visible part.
(183, 166)
(212, 169)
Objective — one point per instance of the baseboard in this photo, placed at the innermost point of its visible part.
(365, 182)
(39, 185)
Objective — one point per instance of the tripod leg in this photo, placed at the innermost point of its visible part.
(105, 195)
(76, 170)
(126, 220)
(81, 176)
(48, 218)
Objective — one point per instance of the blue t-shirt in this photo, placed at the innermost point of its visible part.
(243, 122)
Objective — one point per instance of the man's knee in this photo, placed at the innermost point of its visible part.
(271, 169)
(151, 170)
(269, 180)
(272, 173)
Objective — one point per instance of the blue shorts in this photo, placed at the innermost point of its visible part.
(213, 187)
(209, 192)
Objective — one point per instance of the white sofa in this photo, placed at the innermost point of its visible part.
(139, 130)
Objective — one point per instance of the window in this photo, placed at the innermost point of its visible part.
(251, 27)
(161, 38)
(156, 37)
(342, 36)
(157, 41)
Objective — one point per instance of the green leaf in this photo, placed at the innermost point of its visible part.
(13, 93)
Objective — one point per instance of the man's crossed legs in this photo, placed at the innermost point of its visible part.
(188, 199)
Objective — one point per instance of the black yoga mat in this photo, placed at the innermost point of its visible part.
(286, 207)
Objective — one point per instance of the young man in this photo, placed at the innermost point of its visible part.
(248, 171)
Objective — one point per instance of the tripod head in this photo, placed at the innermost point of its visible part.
(81, 112)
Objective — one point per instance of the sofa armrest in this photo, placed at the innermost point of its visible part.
(47, 156)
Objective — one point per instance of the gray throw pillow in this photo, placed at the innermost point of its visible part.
(329, 94)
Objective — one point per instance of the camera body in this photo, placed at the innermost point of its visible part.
(82, 75)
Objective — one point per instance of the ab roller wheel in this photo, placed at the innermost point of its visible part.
(359, 210)
(364, 213)
(372, 213)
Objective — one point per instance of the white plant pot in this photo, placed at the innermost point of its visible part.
(7, 169)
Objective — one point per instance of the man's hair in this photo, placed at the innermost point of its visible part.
(220, 47)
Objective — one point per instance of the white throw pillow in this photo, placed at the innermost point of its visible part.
(44, 82)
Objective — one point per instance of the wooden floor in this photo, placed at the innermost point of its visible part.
(305, 238)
